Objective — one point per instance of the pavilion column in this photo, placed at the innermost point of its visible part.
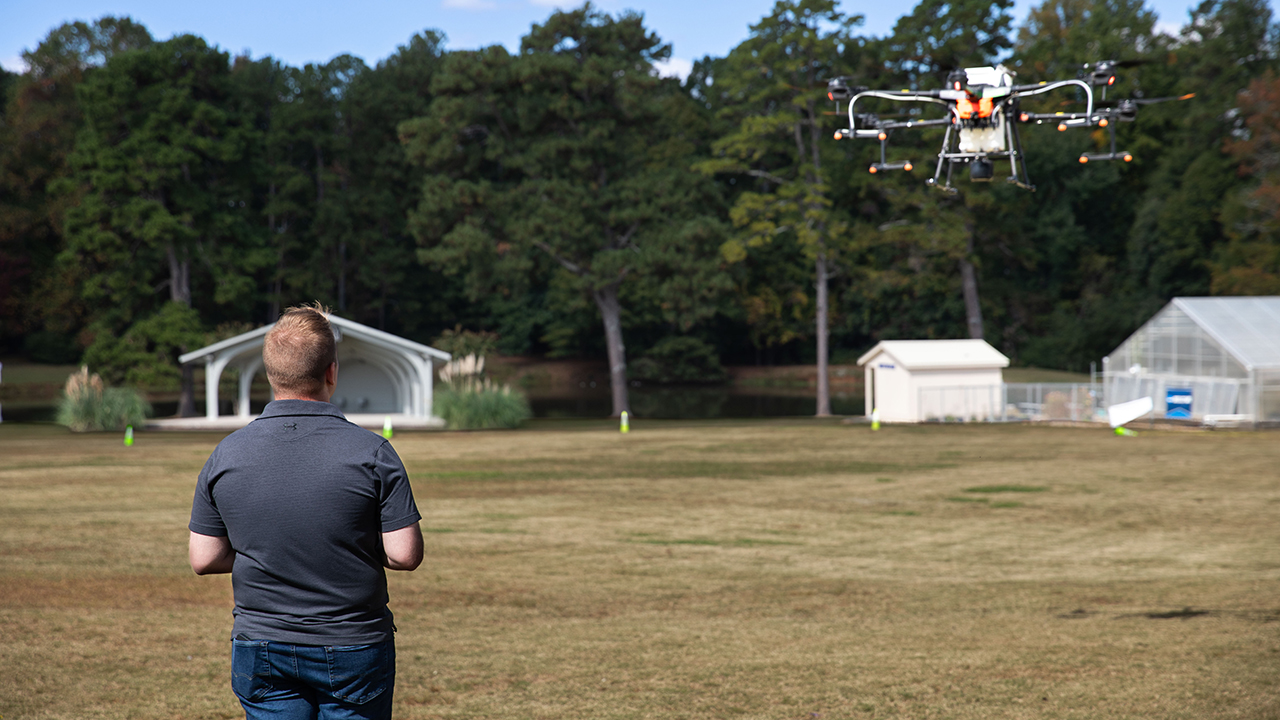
(212, 374)
(247, 371)
(428, 407)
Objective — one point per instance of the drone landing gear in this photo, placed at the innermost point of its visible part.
(1113, 155)
(981, 169)
(884, 164)
(981, 164)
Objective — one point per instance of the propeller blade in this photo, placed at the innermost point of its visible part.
(1152, 101)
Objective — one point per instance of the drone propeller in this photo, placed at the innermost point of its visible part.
(839, 89)
(1127, 110)
(1153, 101)
(1103, 72)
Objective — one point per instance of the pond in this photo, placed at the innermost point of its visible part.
(668, 403)
(693, 402)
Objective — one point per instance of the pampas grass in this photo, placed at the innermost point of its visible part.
(470, 401)
(88, 406)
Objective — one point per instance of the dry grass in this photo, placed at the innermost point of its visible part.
(758, 570)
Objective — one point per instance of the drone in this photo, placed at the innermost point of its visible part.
(982, 117)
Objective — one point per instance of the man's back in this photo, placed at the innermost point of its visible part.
(303, 496)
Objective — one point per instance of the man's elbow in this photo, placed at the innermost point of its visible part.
(210, 555)
(408, 566)
(406, 561)
(211, 566)
(402, 549)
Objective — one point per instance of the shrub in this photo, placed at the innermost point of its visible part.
(679, 359)
(480, 407)
(87, 406)
(470, 401)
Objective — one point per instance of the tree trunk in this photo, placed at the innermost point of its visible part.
(969, 283)
(824, 382)
(179, 277)
(342, 276)
(187, 398)
(607, 300)
(180, 292)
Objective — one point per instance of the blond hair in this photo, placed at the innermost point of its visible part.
(299, 349)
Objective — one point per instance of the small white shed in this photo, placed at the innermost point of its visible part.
(919, 380)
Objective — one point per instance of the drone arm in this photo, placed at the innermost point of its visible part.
(904, 97)
(915, 123)
(1037, 89)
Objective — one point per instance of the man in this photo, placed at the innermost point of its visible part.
(305, 510)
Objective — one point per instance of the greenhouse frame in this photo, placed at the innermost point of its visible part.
(1203, 358)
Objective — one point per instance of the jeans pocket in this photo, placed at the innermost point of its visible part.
(360, 673)
(250, 669)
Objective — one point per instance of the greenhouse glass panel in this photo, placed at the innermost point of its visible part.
(1219, 355)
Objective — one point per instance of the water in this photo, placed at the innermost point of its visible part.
(692, 403)
(667, 403)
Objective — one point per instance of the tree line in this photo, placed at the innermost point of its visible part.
(158, 195)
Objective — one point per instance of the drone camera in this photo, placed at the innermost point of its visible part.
(981, 170)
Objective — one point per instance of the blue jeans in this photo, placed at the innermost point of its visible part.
(309, 682)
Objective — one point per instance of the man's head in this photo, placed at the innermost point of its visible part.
(298, 353)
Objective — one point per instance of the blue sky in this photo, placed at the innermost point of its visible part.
(314, 31)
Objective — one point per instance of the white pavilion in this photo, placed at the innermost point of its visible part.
(380, 376)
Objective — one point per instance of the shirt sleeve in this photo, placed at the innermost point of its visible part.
(205, 518)
(397, 506)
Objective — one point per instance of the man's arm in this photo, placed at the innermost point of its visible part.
(403, 548)
(210, 555)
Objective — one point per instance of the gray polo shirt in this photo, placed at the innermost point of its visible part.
(304, 497)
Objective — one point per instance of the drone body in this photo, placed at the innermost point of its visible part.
(983, 114)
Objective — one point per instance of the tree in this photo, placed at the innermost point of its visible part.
(567, 151)
(156, 167)
(41, 117)
(1249, 264)
(940, 36)
(1179, 227)
(776, 81)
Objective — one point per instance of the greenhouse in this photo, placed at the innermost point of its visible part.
(1204, 358)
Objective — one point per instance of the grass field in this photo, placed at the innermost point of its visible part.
(795, 569)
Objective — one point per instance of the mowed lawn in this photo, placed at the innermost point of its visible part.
(787, 569)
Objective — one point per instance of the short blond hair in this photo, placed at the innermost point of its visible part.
(299, 349)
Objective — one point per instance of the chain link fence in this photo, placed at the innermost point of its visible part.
(1013, 402)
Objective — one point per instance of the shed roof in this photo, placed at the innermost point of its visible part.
(1247, 327)
(938, 354)
(254, 338)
